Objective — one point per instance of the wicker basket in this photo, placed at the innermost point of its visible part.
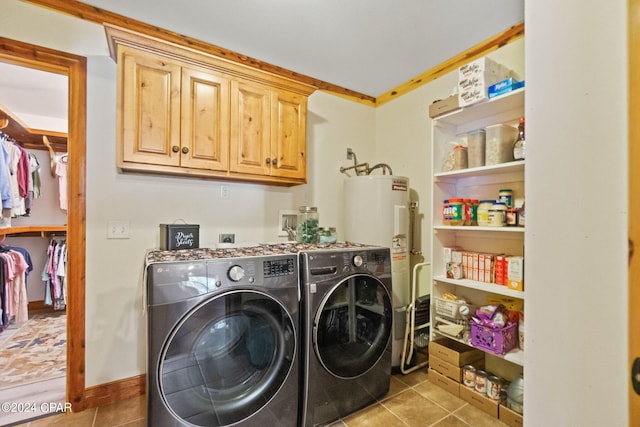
(497, 341)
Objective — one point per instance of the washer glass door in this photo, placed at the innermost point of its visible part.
(227, 358)
(352, 326)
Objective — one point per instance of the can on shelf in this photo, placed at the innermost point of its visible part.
(469, 376)
(494, 387)
(481, 381)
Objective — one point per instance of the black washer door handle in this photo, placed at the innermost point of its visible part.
(635, 375)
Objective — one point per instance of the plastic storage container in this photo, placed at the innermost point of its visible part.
(499, 144)
(327, 235)
(476, 148)
(307, 229)
(483, 212)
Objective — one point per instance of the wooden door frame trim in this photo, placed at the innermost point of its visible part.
(75, 67)
(633, 43)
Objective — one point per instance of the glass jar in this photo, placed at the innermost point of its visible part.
(328, 235)
(515, 394)
(307, 228)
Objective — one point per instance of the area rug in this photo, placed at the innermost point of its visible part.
(36, 351)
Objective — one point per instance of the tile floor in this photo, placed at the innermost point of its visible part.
(412, 401)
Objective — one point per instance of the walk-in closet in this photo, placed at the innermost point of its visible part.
(33, 231)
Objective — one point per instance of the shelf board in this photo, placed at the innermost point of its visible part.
(472, 228)
(34, 230)
(481, 286)
(515, 356)
(491, 107)
(517, 167)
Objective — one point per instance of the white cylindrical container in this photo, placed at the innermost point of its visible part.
(377, 213)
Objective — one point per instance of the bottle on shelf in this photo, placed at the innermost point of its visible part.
(519, 145)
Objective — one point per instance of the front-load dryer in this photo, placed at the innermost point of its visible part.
(222, 342)
(347, 318)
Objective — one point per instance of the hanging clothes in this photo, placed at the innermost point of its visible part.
(5, 183)
(16, 263)
(54, 275)
(61, 173)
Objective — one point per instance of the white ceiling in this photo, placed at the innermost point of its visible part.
(370, 46)
(38, 98)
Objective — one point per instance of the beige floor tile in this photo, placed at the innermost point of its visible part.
(451, 421)
(414, 378)
(373, 416)
(396, 386)
(71, 419)
(415, 409)
(477, 418)
(123, 412)
(440, 396)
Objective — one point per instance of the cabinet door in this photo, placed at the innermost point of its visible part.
(205, 120)
(250, 129)
(288, 138)
(150, 108)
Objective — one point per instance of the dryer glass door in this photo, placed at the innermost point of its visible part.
(352, 326)
(227, 358)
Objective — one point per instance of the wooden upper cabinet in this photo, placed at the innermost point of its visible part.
(205, 114)
(185, 112)
(150, 108)
(288, 148)
(250, 129)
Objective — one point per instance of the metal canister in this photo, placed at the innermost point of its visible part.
(481, 381)
(469, 376)
(494, 387)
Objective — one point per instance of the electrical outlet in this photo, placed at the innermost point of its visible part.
(118, 229)
(227, 238)
(225, 192)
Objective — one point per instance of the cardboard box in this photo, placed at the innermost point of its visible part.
(515, 273)
(446, 383)
(443, 106)
(475, 78)
(447, 369)
(179, 236)
(480, 401)
(454, 352)
(509, 417)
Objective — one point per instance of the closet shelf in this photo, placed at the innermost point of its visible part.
(34, 230)
(30, 138)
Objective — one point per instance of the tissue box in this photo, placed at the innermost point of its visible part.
(475, 78)
(504, 86)
(179, 236)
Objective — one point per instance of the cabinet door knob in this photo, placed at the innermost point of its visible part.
(275, 162)
(185, 150)
(175, 148)
(268, 160)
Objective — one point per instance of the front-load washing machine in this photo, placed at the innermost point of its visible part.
(222, 341)
(347, 318)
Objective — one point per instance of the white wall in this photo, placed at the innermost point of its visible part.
(576, 251)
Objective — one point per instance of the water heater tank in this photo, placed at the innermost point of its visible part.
(377, 213)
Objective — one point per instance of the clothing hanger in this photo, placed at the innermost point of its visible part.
(52, 154)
